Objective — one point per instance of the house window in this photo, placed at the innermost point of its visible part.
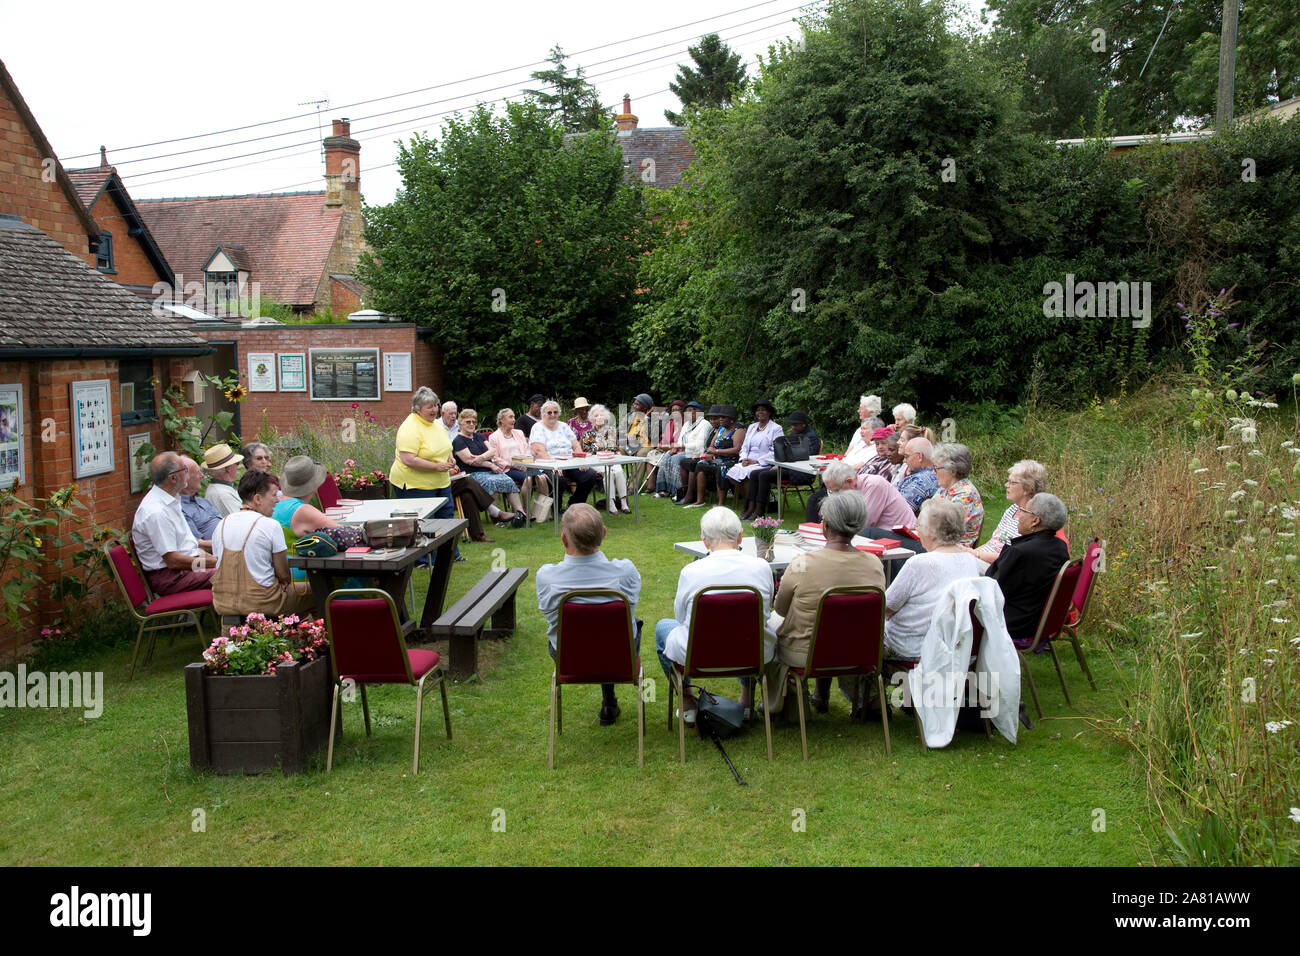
(222, 289)
(104, 253)
(134, 377)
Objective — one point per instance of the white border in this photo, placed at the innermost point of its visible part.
(20, 435)
(306, 371)
(273, 371)
(80, 468)
(311, 375)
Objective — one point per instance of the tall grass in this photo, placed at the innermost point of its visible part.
(369, 443)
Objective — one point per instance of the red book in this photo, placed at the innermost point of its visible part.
(871, 548)
(906, 532)
(359, 549)
(885, 543)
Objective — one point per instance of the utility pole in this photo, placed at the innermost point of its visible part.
(1227, 65)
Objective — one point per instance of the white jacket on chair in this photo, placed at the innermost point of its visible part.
(938, 682)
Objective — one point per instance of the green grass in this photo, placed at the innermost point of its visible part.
(119, 790)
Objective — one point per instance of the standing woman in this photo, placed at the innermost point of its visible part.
(423, 465)
(755, 455)
(602, 437)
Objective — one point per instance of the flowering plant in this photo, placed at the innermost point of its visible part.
(765, 528)
(348, 479)
(261, 645)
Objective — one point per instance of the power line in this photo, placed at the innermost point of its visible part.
(379, 99)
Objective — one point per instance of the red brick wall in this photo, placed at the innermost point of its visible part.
(132, 265)
(343, 300)
(285, 411)
(25, 194)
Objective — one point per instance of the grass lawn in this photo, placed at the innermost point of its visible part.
(119, 789)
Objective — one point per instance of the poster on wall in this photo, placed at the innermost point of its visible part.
(293, 371)
(92, 428)
(139, 466)
(261, 371)
(397, 371)
(11, 436)
(344, 374)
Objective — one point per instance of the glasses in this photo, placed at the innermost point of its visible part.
(1026, 511)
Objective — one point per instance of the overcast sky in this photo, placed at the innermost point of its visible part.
(147, 71)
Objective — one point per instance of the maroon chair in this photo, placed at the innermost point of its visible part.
(328, 493)
(1082, 591)
(595, 644)
(848, 639)
(725, 640)
(977, 638)
(155, 613)
(1050, 624)
(367, 647)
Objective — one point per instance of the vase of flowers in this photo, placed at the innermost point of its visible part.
(765, 537)
(362, 485)
(261, 697)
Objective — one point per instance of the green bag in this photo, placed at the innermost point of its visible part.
(315, 545)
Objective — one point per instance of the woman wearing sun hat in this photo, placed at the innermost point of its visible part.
(581, 420)
(755, 455)
(302, 477)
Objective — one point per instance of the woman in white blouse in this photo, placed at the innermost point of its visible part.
(552, 438)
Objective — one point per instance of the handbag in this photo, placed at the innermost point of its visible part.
(317, 544)
(542, 505)
(717, 715)
(792, 448)
(391, 532)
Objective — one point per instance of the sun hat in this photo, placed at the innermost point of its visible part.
(220, 456)
(880, 433)
(302, 476)
(580, 402)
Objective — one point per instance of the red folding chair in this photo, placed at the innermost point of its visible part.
(367, 647)
(595, 644)
(155, 613)
(725, 640)
(1082, 591)
(848, 639)
(1050, 624)
(328, 492)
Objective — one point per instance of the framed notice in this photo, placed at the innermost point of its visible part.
(11, 436)
(139, 466)
(397, 371)
(293, 371)
(339, 375)
(92, 428)
(261, 371)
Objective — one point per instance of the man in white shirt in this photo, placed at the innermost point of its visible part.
(168, 552)
(222, 466)
(449, 414)
(725, 564)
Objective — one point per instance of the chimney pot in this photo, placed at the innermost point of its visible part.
(627, 103)
(103, 157)
(342, 127)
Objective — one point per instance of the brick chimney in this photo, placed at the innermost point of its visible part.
(625, 120)
(342, 165)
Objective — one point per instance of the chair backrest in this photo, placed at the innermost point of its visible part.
(1058, 601)
(128, 576)
(328, 492)
(366, 640)
(977, 631)
(594, 642)
(849, 633)
(726, 632)
(1086, 577)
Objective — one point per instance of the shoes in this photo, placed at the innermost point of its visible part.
(1024, 718)
(622, 503)
(819, 704)
(683, 501)
(688, 717)
(484, 539)
(660, 494)
(698, 504)
(609, 713)
(503, 520)
(460, 558)
(519, 520)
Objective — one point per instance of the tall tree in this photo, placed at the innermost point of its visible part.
(570, 100)
(717, 77)
(520, 250)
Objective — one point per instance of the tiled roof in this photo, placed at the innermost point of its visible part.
(90, 182)
(288, 236)
(355, 286)
(668, 147)
(50, 299)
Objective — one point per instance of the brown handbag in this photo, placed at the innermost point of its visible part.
(391, 532)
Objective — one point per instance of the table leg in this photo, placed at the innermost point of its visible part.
(780, 494)
(555, 505)
(438, 577)
(636, 501)
(320, 589)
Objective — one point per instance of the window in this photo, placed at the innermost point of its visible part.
(222, 290)
(137, 390)
(104, 253)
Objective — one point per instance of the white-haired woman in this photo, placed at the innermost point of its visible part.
(952, 466)
(1025, 479)
(724, 565)
(904, 414)
(552, 438)
(601, 436)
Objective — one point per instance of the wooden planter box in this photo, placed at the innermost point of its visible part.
(258, 722)
(373, 493)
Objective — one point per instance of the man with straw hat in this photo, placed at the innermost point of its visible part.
(222, 467)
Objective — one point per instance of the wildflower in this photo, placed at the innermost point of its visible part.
(1230, 513)
(1194, 465)
(1230, 395)
(1197, 471)
(237, 393)
(1295, 811)
(1237, 495)
(1287, 444)
(1276, 726)
(1270, 581)
(1223, 448)
(1196, 634)
(1281, 620)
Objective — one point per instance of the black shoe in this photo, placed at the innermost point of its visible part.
(819, 704)
(1024, 718)
(609, 713)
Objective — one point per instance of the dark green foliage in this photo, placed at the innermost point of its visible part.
(569, 99)
(520, 249)
(716, 78)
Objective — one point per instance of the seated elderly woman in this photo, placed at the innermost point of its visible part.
(302, 477)
(603, 437)
(252, 557)
(552, 438)
(725, 564)
(721, 455)
(687, 447)
(507, 444)
(756, 454)
(477, 461)
(952, 467)
(257, 457)
(808, 578)
(1029, 563)
(915, 592)
(904, 414)
(1025, 479)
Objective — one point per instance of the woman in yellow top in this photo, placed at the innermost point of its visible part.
(423, 466)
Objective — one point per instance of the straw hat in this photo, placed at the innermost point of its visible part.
(580, 402)
(219, 457)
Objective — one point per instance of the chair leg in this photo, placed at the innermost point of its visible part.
(136, 653)
(884, 712)
(334, 716)
(559, 708)
(446, 711)
(1060, 675)
(767, 717)
(672, 687)
(550, 744)
(1083, 663)
(681, 723)
(365, 708)
(419, 719)
(640, 723)
(1029, 675)
(803, 728)
(920, 729)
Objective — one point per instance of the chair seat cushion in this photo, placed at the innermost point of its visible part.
(422, 662)
(181, 601)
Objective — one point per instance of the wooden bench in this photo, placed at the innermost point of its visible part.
(465, 621)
